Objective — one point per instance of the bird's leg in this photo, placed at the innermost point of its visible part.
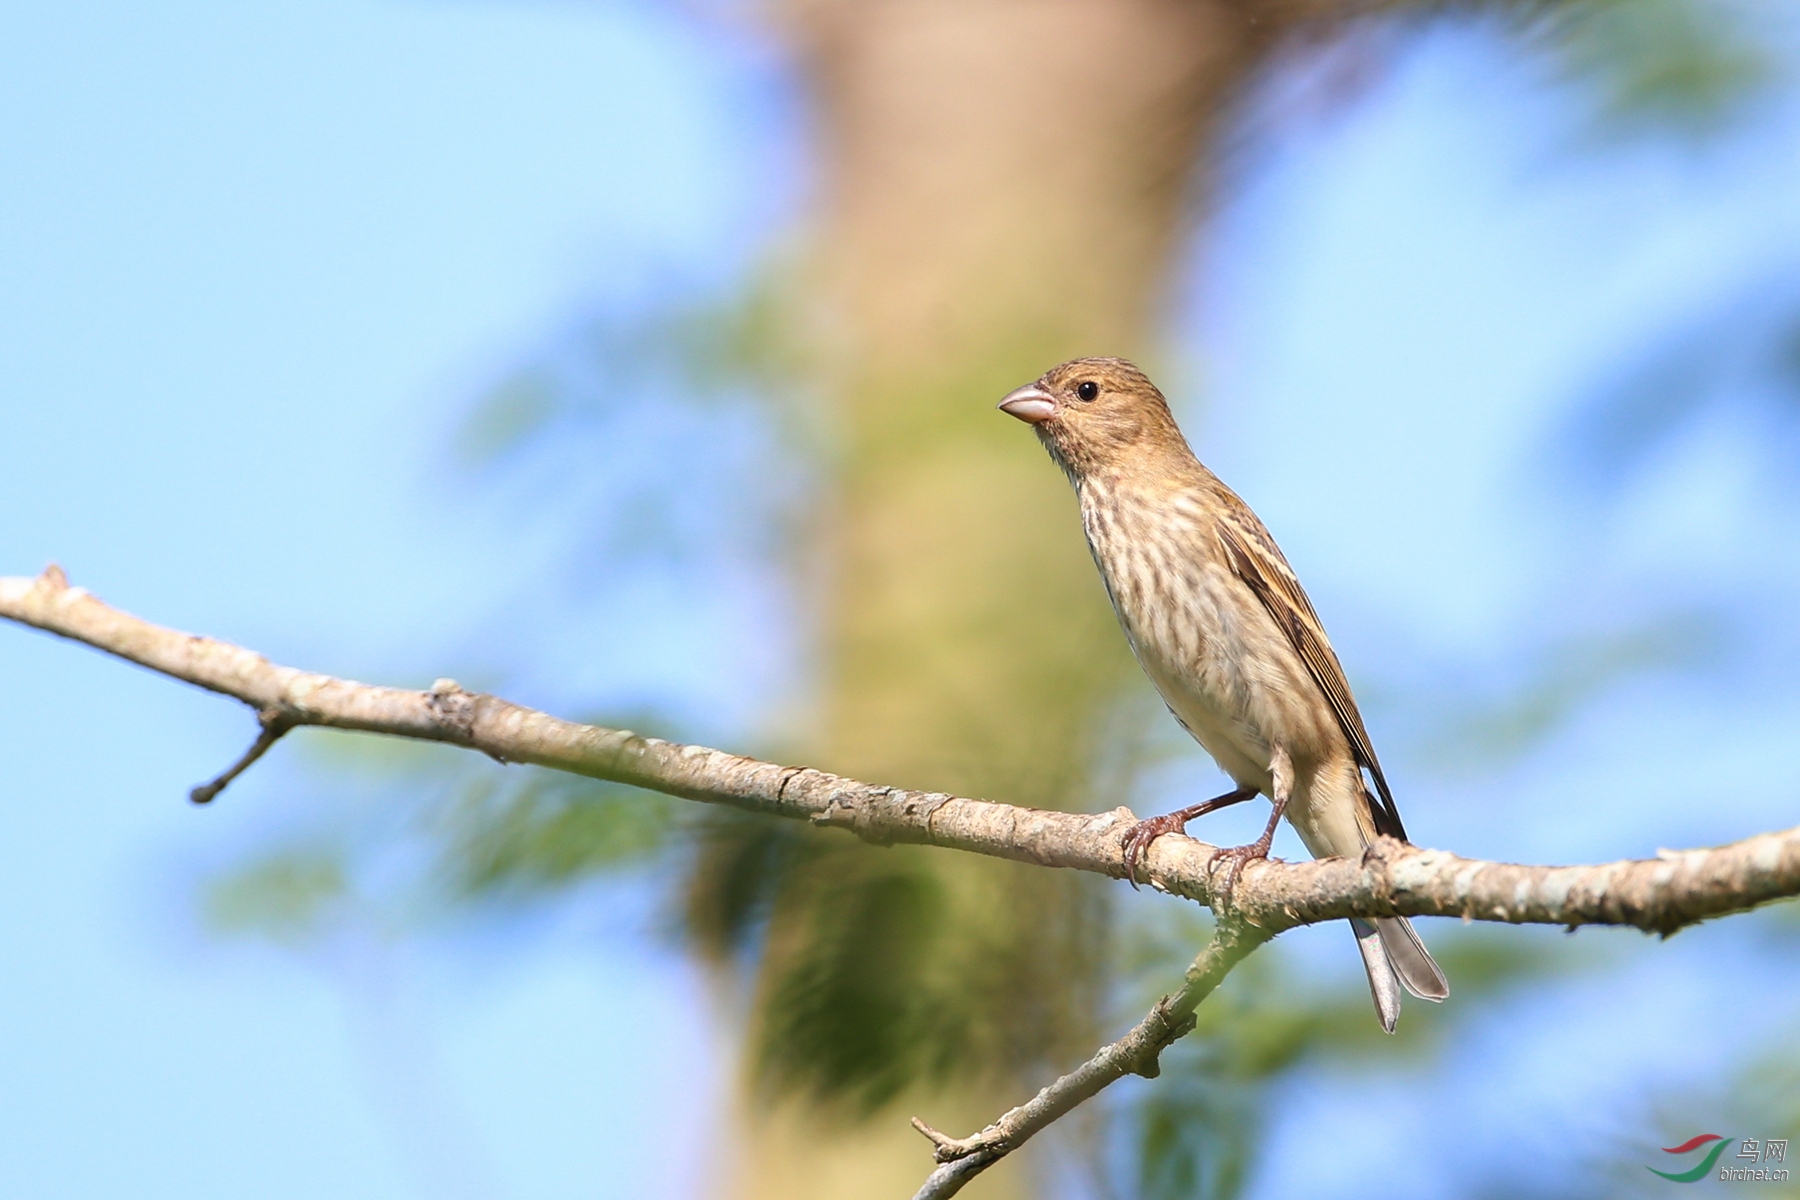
(1281, 767)
(1139, 836)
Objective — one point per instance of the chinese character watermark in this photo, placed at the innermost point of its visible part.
(1751, 1150)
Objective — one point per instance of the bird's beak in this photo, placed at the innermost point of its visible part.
(1030, 404)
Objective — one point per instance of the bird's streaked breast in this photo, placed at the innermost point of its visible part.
(1202, 637)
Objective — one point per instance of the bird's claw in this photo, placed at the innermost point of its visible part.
(1139, 837)
(1236, 857)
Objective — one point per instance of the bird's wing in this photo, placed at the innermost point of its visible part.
(1255, 559)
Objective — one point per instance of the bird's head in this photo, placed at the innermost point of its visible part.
(1094, 413)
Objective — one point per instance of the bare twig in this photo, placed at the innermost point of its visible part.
(1137, 1053)
(274, 725)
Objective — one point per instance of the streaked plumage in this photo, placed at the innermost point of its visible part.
(1224, 630)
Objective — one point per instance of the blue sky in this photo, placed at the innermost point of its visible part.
(259, 258)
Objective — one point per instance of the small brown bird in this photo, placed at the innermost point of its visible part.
(1219, 622)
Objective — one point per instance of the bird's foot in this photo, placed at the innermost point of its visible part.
(1139, 836)
(1236, 856)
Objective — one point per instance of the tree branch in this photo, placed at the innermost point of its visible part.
(1660, 895)
(1137, 1053)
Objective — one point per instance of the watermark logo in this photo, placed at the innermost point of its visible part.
(1754, 1150)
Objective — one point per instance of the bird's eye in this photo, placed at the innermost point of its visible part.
(1087, 389)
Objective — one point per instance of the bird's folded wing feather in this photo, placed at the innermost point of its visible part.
(1255, 559)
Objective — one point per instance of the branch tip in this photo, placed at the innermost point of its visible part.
(938, 1139)
(275, 725)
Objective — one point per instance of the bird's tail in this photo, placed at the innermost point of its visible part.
(1394, 957)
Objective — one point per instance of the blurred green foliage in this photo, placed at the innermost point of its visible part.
(729, 890)
(839, 1021)
(424, 836)
(547, 833)
(1690, 69)
(290, 896)
(741, 345)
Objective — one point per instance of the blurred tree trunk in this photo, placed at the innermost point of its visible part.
(1005, 184)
